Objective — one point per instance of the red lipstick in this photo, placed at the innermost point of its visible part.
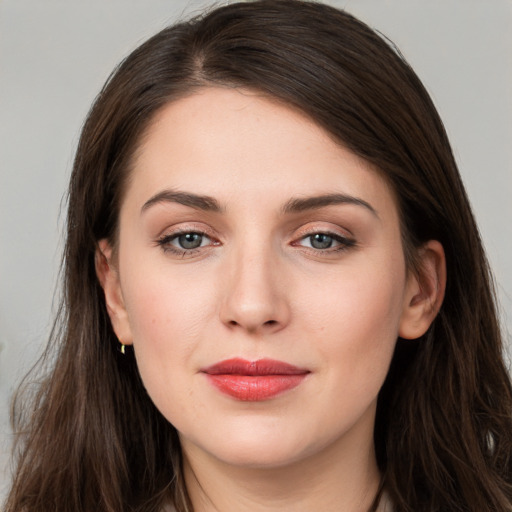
(254, 380)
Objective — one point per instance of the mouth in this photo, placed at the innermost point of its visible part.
(254, 380)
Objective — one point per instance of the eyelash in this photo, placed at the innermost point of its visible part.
(165, 242)
(344, 242)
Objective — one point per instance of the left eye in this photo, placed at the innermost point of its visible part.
(322, 241)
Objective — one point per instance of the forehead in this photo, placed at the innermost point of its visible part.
(225, 142)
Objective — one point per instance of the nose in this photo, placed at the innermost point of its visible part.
(255, 294)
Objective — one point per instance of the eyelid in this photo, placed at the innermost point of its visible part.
(170, 233)
(335, 236)
(328, 228)
(186, 227)
(176, 236)
(341, 242)
(344, 238)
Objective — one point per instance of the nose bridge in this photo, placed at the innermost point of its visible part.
(254, 296)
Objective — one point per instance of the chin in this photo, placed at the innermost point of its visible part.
(259, 456)
(253, 446)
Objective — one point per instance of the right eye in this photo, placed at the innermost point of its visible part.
(321, 241)
(184, 242)
(189, 240)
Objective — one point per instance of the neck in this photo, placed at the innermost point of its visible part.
(343, 476)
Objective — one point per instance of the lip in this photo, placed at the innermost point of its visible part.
(254, 381)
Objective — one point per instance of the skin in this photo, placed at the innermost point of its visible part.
(258, 287)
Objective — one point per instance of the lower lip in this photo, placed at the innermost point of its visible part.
(254, 388)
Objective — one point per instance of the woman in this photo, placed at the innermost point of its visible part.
(275, 292)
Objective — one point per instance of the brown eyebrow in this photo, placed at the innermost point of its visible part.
(294, 205)
(199, 202)
(300, 204)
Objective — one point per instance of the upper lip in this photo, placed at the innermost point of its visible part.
(260, 367)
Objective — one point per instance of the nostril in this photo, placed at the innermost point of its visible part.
(268, 323)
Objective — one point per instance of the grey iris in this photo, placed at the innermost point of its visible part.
(321, 241)
(190, 240)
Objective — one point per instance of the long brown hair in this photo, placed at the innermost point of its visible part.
(90, 437)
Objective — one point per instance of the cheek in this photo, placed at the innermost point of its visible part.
(168, 315)
(352, 326)
(355, 319)
(367, 296)
(167, 324)
(159, 313)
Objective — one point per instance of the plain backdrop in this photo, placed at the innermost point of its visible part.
(55, 55)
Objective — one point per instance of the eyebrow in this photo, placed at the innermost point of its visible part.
(294, 205)
(199, 202)
(297, 205)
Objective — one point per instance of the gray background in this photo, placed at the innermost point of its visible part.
(55, 55)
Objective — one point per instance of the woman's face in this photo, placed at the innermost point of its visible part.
(261, 279)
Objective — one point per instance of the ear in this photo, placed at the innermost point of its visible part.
(108, 277)
(424, 291)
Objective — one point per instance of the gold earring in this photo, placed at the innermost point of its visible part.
(122, 349)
